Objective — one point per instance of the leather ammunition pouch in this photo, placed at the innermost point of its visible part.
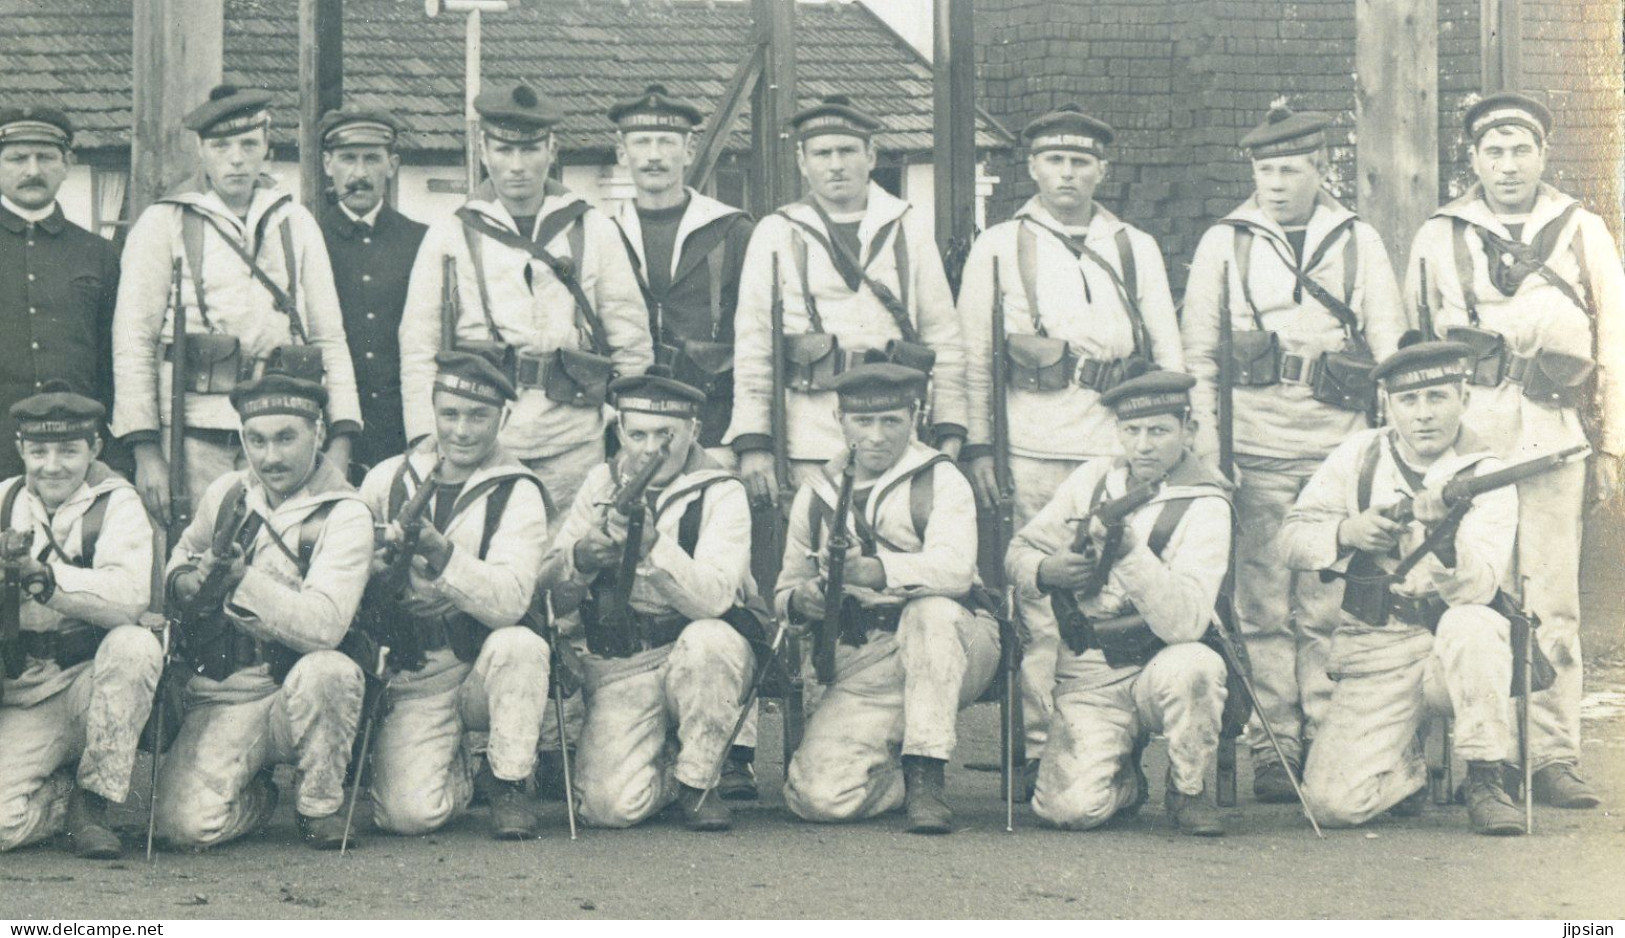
(1040, 363)
(811, 361)
(1374, 602)
(1489, 353)
(1255, 358)
(1344, 381)
(699, 363)
(921, 358)
(227, 650)
(574, 378)
(298, 361)
(214, 363)
(65, 648)
(1557, 379)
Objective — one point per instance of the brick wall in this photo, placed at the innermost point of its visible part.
(1571, 51)
(1183, 80)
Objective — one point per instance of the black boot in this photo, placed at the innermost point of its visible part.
(324, 833)
(1193, 814)
(88, 833)
(1489, 807)
(1271, 785)
(513, 813)
(713, 815)
(739, 775)
(550, 774)
(927, 811)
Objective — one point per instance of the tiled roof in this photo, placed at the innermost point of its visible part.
(585, 53)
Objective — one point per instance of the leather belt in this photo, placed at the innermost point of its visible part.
(1518, 367)
(1299, 369)
(65, 648)
(1421, 611)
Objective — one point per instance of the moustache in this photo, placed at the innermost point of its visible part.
(360, 185)
(32, 182)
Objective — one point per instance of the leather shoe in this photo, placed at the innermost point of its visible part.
(1489, 807)
(928, 811)
(1196, 814)
(1561, 786)
(513, 813)
(323, 833)
(738, 775)
(713, 815)
(88, 833)
(1271, 784)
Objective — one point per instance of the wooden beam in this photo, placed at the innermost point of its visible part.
(321, 88)
(714, 140)
(176, 59)
(954, 116)
(775, 179)
(1396, 102)
(1500, 45)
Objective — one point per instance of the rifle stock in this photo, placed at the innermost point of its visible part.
(14, 546)
(828, 632)
(606, 612)
(199, 619)
(449, 309)
(1005, 506)
(381, 617)
(1424, 301)
(180, 503)
(1225, 783)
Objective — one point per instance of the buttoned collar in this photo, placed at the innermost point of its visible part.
(16, 218)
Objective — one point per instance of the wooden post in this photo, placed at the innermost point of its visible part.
(714, 140)
(776, 179)
(954, 115)
(1396, 102)
(321, 88)
(1500, 45)
(176, 60)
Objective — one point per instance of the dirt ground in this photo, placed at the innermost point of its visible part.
(1271, 865)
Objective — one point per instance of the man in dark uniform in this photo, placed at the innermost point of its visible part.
(687, 250)
(372, 247)
(58, 281)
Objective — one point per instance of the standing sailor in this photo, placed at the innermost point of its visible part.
(1532, 280)
(1313, 305)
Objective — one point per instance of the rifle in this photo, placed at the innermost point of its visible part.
(14, 549)
(1237, 660)
(768, 521)
(1458, 495)
(369, 719)
(606, 612)
(1225, 780)
(380, 616)
(1424, 302)
(746, 702)
(180, 503)
(563, 667)
(449, 310)
(828, 631)
(1114, 515)
(199, 620)
(1013, 742)
(160, 626)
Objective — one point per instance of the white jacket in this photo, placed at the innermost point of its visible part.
(235, 303)
(858, 319)
(1283, 420)
(496, 589)
(112, 593)
(1079, 303)
(1175, 592)
(943, 563)
(1537, 316)
(668, 581)
(533, 311)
